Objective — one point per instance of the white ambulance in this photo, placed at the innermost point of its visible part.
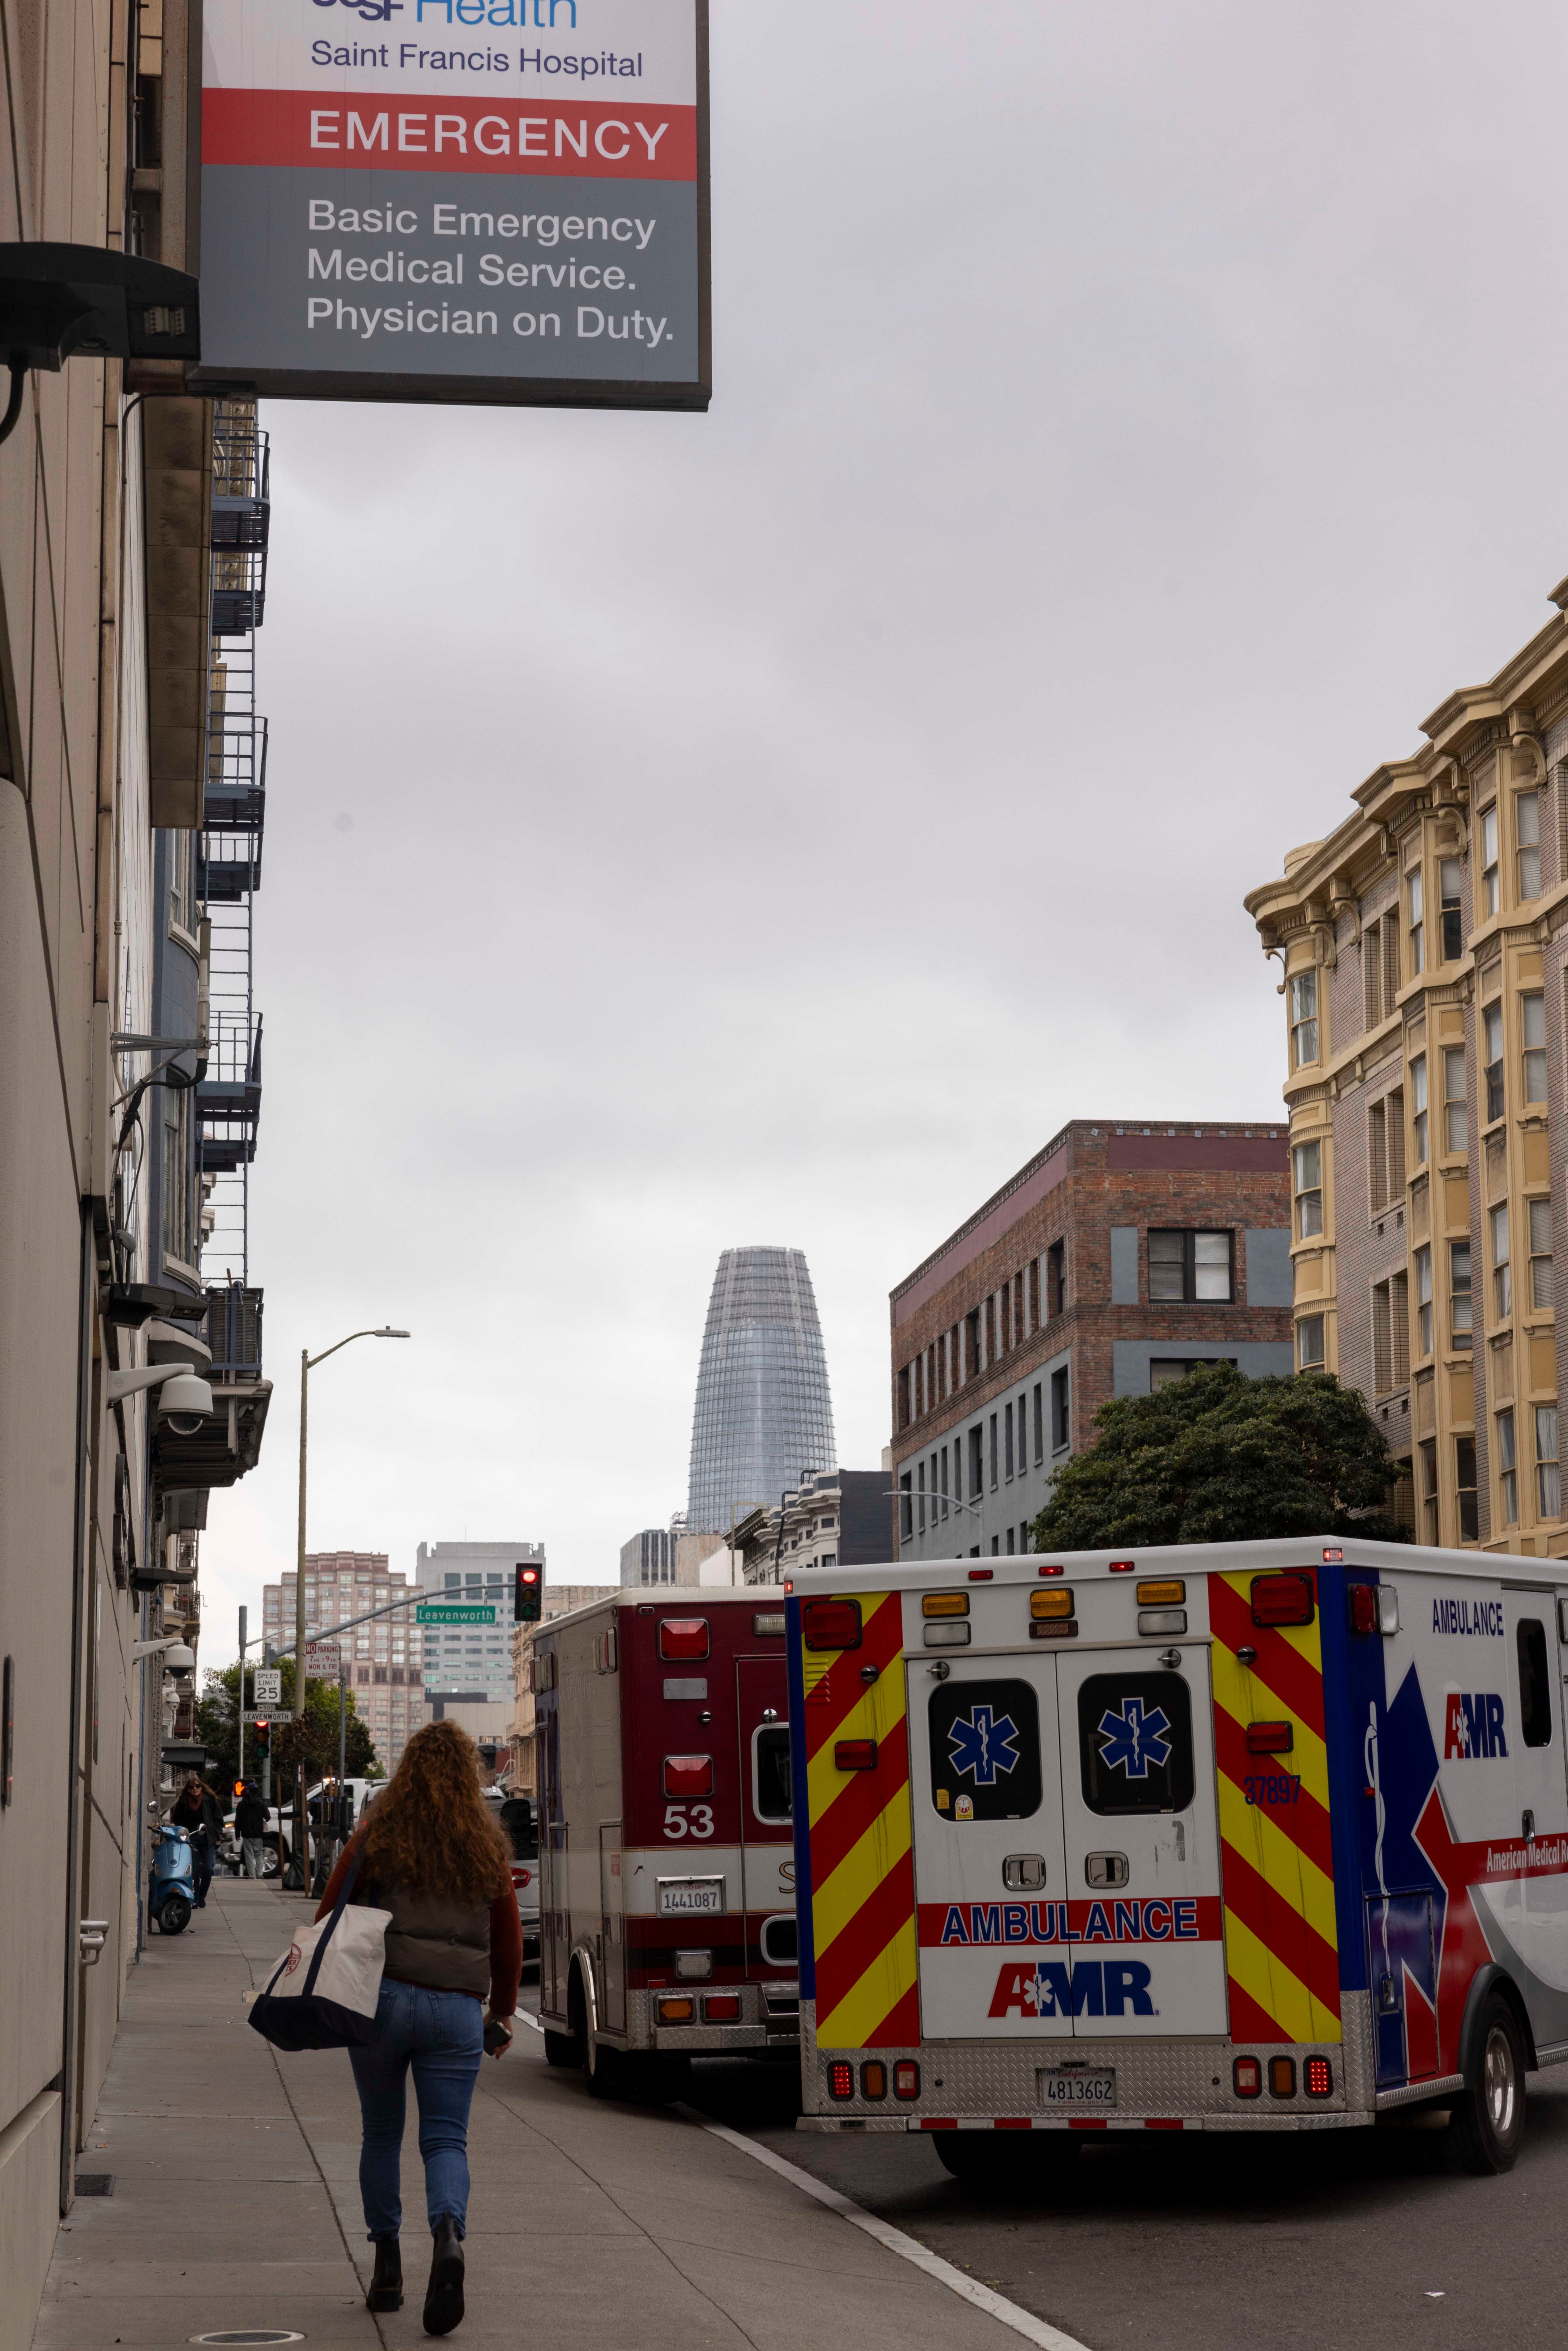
(1262, 1836)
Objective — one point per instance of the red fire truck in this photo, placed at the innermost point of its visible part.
(667, 1871)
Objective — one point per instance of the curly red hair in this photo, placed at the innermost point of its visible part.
(429, 1830)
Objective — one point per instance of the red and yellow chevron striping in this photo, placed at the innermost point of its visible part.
(1281, 1943)
(862, 1873)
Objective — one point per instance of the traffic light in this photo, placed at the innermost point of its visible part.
(262, 1732)
(528, 1594)
(238, 1790)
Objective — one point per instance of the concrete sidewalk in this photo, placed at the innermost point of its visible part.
(235, 2201)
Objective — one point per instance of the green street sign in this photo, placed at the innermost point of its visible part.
(448, 1612)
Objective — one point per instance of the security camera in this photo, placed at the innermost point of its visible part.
(179, 1658)
(185, 1403)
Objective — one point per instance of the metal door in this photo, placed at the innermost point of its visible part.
(1530, 1907)
(989, 1871)
(1141, 1843)
(612, 1930)
(766, 1890)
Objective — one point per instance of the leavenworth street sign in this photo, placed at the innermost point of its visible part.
(267, 1714)
(496, 201)
(448, 1612)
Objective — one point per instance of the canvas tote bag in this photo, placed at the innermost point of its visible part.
(322, 1993)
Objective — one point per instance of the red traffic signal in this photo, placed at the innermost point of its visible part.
(528, 1595)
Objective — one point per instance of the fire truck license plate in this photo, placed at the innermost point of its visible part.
(690, 1898)
(1061, 2087)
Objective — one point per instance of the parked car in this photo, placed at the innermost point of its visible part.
(519, 1826)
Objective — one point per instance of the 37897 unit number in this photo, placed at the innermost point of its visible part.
(1272, 1787)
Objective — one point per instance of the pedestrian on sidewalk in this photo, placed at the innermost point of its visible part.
(429, 1853)
(250, 1827)
(196, 1810)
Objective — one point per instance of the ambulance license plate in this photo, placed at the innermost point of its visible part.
(691, 1897)
(1062, 2085)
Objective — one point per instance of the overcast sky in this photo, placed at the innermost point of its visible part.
(1129, 421)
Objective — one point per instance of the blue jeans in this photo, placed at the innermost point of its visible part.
(441, 2035)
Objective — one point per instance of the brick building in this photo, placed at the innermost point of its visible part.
(1425, 945)
(1118, 1257)
(387, 1655)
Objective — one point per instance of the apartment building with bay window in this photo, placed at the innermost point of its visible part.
(1425, 954)
(1119, 1257)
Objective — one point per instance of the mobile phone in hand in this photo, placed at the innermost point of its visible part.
(497, 2036)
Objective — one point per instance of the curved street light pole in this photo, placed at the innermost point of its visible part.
(308, 1363)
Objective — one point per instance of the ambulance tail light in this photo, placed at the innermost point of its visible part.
(1270, 1737)
(945, 1603)
(1168, 1591)
(831, 1623)
(1281, 1600)
(683, 1638)
(841, 2079)
(677, 2011)
(873, 2078)
(906, 2079)
(1281, 2077)
(1246, 2077)
(1374, 1608)
(1317, 2078)
(854, 1755)
(688, 1775)
(1051, 1604)
(722, 2008)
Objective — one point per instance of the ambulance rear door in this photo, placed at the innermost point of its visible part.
(1536, 1907)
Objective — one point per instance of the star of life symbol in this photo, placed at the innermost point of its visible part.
(983, 1744)
(1134, 1739)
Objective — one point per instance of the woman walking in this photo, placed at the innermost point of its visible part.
(429, 1853)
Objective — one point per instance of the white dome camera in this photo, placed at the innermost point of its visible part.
(185, 1401)
(179, 1658)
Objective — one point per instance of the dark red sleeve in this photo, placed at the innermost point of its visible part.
(506, 1953)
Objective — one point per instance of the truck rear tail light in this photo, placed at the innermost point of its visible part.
(981, 1575)
(841, 2079)
(1168, 1591)
(522, 1877)
(1161, 1624)
(1122, 1566)
(1317, 2078)
(906, 2079)
(722, 2008)
(677, 2011)
(855, 1755)
(688, 1775)
(873, 2078)
(945, 1603)
(1281, 1600)
(1246, 2077)
(1055, 1569)
(1363, 1608)
(683, 1636)
(1281, 2077)
(831, 1623)
(1051, 1604)
(1270, 1737)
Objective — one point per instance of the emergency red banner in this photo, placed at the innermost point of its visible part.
(512, 136)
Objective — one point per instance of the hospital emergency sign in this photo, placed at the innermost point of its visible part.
(483, 200)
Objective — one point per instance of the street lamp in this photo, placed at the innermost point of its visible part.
(308, 1363)
(896, 1494)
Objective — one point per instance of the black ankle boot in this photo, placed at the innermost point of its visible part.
(444, 2294)
(386, 2286)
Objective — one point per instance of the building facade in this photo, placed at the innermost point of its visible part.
(661, 1555)
(1425, 946)
(1121, 1255)
(522, 1776)
(841, 1518)
(385, 1657)
(472, 1661)
(764, 1416)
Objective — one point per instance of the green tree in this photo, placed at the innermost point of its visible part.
(1217, 1458)
(218, 1723)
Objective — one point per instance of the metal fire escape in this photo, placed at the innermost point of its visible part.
(229, 1095)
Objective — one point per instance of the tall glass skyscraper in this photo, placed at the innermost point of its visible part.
(763, 1415)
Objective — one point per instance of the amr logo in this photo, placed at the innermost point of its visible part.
(1473, 1726)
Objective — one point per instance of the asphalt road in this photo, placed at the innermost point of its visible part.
(1344, 2241)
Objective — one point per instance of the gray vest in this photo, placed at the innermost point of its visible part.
(434, 1940)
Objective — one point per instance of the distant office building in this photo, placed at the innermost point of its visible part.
(764, 1416)
(665, 1555)
(472, 1661)
(841, 1518)
(1116, 1260)
(385, 1657)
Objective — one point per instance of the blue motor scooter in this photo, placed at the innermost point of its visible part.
(172, 1889)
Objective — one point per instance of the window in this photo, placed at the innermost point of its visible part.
(1135, 1743)
(1449, 872)
(994, 1450)
(1539, 1212)
(985, 1749)
(976, 1461)
(1533, 1009)
(1307, 1160)
(1038, 1423)
(1390, 1334)
(1507, 1468)
(919, 1501)
(905, 1508)
(946, 1488)
(1502, 1279)
(1303, 1018)
(1008, 1440)
(770, 1795)
(1418, 923)
(1456, 1119)
(1060, 1415)
(176, 1174)
(1429, 1491)
(1056, 1277)
(1491, 1030)
(1386, 1150)
(1489, 859)
(1423, 1300)
(1534, 1686)
(1461, 1319)
(1548, 1476)
(1380, 969)
(1310, 1343)
(904, 1389)
(1192, 1267)
(972, 1345)
(1418, 1108)
(1465, 1481)
(1526, 837)
(1009, 1543)
(182, 883)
